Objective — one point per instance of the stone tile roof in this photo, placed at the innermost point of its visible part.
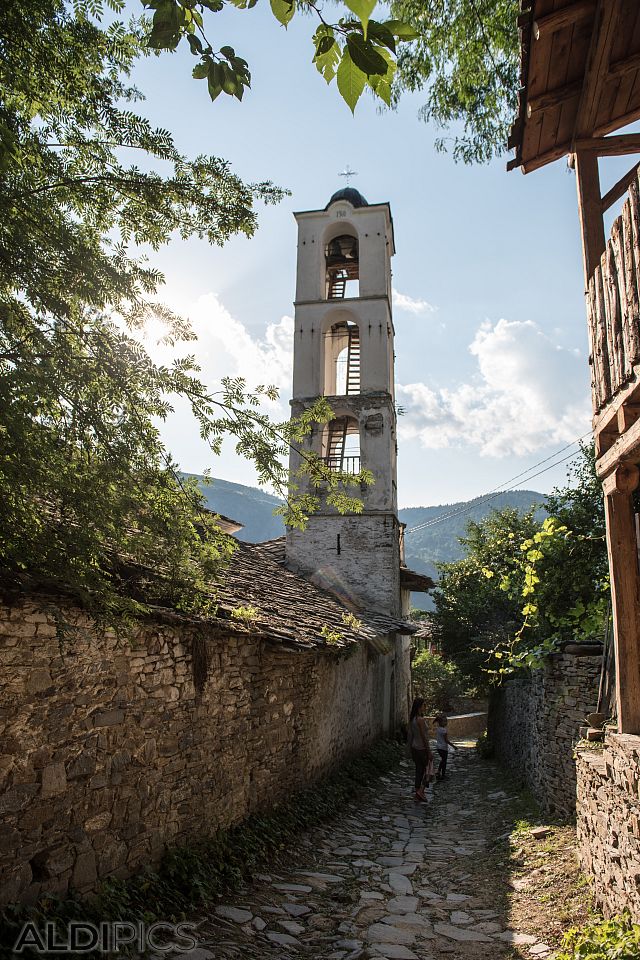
(274, 549)
(291, 609)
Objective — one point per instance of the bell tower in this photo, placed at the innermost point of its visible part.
(343, 350)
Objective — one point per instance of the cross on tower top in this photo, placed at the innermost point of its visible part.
(348, 173)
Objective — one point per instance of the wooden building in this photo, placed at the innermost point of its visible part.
(580, 85)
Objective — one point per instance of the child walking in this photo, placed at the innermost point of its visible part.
(442, 744)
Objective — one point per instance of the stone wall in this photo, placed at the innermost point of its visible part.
(608, 823)
(108, 754)
(534, 721)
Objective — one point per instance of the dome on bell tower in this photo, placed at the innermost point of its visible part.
(351, 195)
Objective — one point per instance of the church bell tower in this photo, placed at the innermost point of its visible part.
(343, 350)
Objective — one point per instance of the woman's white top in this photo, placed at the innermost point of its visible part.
(441, 738)
(417, 742)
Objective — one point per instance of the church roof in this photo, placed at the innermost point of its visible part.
(351, 195)
(291, 609)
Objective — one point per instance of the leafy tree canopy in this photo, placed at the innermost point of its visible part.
(466, 58)
(357, 50)
(525, 586)
(89, 496)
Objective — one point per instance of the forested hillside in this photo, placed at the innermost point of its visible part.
(437, 542)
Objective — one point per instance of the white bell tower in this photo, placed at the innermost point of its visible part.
(343, 350)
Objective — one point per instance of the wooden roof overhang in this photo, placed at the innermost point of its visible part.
(580, 79)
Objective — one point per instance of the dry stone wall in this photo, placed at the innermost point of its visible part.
(534, 721)
(608, 823)
(108, 754)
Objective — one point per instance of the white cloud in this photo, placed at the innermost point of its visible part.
(225, 348)
(528, 393)
(402, 301)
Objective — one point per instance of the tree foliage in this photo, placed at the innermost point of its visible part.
(437, 680)
(357, 51)
(89, 496)
(466, 58)
(526, 586)
(472, 615)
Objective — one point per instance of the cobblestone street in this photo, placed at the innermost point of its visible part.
(389, 878)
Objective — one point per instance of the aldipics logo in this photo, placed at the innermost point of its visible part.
(78, 936)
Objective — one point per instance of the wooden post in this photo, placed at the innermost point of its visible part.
(590, 210)
(623, 565)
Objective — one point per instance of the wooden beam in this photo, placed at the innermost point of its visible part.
(606, 419)
(528, 166)
(622, 549)
(590, 212)
(617, 122)
(604, 32)
(545, 26)
(624, 479)
(622, 67)
(628, 413)
(626, 447)
(617, 146)
(553, 98)
(620, 188)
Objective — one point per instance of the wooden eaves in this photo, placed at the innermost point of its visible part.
(580, 79)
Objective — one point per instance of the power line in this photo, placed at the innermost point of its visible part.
(498, 490)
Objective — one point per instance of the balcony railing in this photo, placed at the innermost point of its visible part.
(613, 305)
(349, 465)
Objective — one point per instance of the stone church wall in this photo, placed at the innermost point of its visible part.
(608, 823)
(534, 721)
(108, 754)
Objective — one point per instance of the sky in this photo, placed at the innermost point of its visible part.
(491, 342)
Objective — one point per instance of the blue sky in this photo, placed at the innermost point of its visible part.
(490, 325)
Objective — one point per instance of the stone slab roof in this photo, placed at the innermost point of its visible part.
(291, 609)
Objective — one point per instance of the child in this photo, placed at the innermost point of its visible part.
(442, 744)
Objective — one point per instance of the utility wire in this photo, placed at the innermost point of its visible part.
(502, 488)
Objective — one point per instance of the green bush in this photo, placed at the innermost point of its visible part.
(615, 939)
(435, 679)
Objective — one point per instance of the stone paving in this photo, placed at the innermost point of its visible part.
(387, 879)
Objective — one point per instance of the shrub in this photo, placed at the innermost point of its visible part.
(435, 679)
(615, 939)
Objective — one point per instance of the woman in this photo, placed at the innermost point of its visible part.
(419, 740)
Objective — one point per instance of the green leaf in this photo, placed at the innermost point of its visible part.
(229, 82)
(381, 85)
(200, 71)
(328, 52)
(401, 30)
(228, 52)
(195, 45)
(283, 10)
(351, 80)
(362, 9)
(324, 46)
(365, 56)
(381, 34)
(215, 80)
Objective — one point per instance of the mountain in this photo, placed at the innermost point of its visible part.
(435, 543)
(438, 542)
(248, 505)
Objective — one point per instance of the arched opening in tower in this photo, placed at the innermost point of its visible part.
(342, 268)
(341, 447)
(342, 368)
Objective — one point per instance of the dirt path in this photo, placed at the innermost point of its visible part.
(447, 880)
